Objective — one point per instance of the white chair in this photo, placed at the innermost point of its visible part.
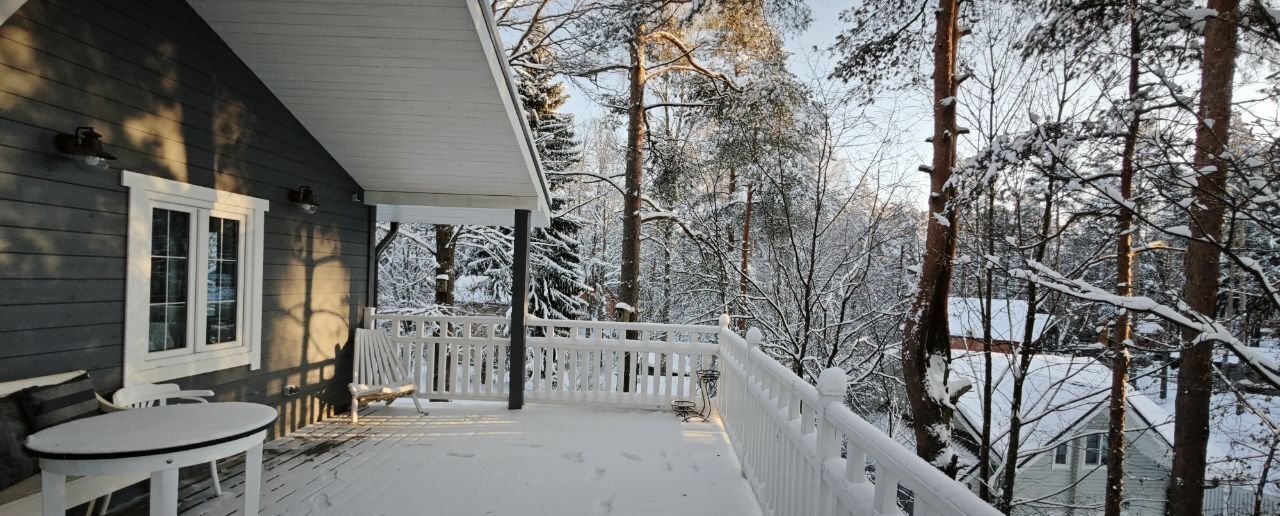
(156, 394)
(380, 374)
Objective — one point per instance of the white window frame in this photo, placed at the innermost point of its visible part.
(1053, 459)
(1100, 451)
(148, 192)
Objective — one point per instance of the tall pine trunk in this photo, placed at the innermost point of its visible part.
(1201, 261)
(926, 347)
(743, 283)
(629, 291)
(1124, 287)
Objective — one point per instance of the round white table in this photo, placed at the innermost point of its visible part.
(156, 440)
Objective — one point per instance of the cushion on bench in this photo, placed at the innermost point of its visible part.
(49, 405)
(362, 390)
(15, 464)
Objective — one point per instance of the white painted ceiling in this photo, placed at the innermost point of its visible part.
(410, 96)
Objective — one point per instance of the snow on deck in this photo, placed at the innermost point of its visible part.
(480, 458)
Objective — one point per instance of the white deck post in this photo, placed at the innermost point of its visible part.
(832, 384)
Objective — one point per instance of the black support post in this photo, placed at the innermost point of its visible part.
(371, 285)
(519, 309)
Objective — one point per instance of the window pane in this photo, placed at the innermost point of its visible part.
(170, 238)
(175, 280)
(223, 280)
(1060, 454)
(1092, 444)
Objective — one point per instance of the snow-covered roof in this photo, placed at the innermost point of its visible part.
(1060, 394)
(1008, 319)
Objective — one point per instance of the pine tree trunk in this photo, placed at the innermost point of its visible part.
(444, 265)
(926, 344)
(743, 284)
(984, 446)
(1116, 440)
(444, 294)
(1201, 261)
(629, 291)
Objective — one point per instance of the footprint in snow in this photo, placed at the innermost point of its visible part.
(572, 457)
(320, 501)
(633, 456)
(666, 466)
(460, 454)
(602, 507)
(597, 474)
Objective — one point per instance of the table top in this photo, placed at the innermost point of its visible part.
(151, 431)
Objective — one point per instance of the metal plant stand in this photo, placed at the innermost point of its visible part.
(687, 410)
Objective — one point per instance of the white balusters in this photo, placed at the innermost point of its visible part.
(789, 437)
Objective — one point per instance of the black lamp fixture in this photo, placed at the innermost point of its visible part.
(85, 145)
(304, 197)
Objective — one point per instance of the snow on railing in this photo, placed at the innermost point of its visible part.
(615, 363)
(789, 437)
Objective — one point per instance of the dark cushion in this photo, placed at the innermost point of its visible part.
(49, 405)
(15, 464)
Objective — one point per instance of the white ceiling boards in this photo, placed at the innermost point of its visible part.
(412, 97)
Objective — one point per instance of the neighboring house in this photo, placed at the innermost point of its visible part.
(196, 256)
(1008, 324)
(1063, 451)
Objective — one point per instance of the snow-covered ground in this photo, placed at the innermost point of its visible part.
(479, 458)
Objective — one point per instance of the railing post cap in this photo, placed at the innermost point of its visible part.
(724, 320)
(833, 382)
(754, 337)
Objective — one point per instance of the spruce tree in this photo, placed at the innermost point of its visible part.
(556, 273)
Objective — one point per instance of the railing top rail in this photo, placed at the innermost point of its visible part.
(911, 470)
(642, 346)
(482, 319)
(614, 325)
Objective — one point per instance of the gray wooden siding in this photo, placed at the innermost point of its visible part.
(172, 101)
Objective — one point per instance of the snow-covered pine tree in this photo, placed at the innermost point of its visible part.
(556, 274)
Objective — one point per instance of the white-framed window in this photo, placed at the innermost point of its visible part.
(1061, 454)
(193, 296)
(1095, 450)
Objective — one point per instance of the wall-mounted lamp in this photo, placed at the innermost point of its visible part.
(85, 145)
(304, 198)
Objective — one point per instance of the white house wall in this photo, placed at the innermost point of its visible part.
(1145, 480)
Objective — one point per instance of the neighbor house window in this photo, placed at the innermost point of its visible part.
(193, 300)
(1060, 454)
(1095, 450)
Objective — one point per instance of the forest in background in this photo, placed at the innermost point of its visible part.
(1111, 163)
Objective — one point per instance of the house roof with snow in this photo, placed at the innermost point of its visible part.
(1060, 395)
(1008, 319)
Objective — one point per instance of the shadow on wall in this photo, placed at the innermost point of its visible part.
(172, 101)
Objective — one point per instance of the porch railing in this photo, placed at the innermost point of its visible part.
(801, 448)
(805, 452)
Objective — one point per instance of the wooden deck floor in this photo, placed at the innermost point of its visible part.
(479, 458)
